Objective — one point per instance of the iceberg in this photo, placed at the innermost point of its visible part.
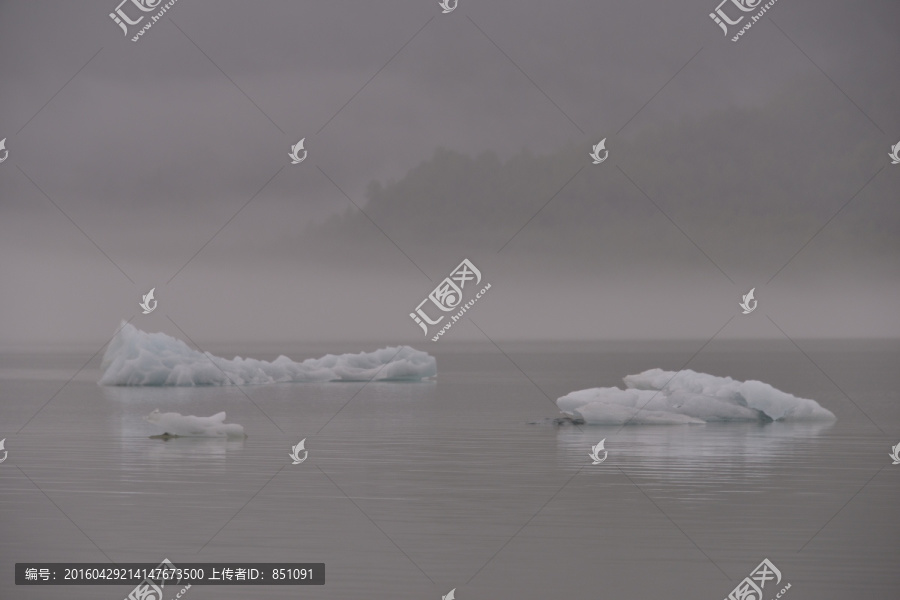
(657, 397)
(176, 424)
(135, 357)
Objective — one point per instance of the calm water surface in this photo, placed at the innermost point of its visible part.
(412, 489)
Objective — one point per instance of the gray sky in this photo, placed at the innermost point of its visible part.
(761, 163)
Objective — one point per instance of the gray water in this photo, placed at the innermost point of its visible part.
(412, 489)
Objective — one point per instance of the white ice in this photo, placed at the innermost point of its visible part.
(175, 423)
(686, 397)
(135, 357)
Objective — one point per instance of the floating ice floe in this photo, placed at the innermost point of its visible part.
(135, 357)
(658, 397)
(176, 424)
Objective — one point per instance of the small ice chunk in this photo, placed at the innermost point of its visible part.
(175, 423)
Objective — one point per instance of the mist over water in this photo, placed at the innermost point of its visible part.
(750, 169)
